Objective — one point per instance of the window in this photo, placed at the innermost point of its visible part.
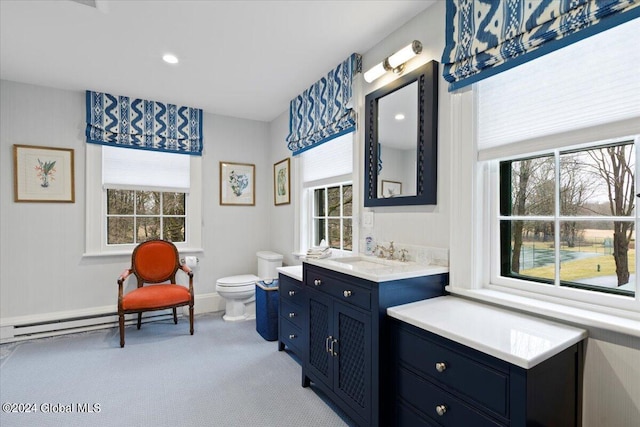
(137, 195)
(332, 216)
(327, 208)
(568, 218)
(135, 216)
(556, 178)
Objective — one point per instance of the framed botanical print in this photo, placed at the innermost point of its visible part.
(237, 184)
(43, 174)
(281, 182)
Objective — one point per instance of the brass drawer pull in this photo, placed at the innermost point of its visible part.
(292, 293)
(317, 282)
(441, 366)
(292, 314)
(347, 293)
(292, 336)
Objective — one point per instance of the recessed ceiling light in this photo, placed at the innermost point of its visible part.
(170, 59)
(399, 116)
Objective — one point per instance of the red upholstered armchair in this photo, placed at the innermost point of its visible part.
(154, 263)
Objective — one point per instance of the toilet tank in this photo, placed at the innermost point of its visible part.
(268, 262)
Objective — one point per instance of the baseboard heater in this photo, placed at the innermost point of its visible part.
(54, 327)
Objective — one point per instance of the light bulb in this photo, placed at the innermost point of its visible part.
(405, 54)
(374, 73)
(169, 58)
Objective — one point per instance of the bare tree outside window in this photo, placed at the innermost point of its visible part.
(584, 197)
(134, 216)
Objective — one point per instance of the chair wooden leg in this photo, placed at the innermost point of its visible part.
(139, 319)
(121, 322)
(191, 319)
(175, 316)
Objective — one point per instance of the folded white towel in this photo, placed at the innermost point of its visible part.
(325, 254)
(318, 252)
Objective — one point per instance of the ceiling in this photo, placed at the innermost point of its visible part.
(244, 59)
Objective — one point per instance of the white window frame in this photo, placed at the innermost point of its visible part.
(310, 189)
(96, 209)
(491, 226)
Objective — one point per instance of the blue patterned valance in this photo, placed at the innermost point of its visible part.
(324, 111)
(485, 37)
(137, 123)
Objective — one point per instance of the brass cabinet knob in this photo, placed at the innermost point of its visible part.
(291, 336)
(292, 293)
(347, 293)
(317, 282)
(292, 314)
(441, 410)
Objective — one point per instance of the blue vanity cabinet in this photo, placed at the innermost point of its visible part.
(347, 338)
(291, 315)
(438, 381)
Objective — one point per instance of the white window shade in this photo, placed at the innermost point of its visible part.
(586, 88)
(125, 168)
(329, 160)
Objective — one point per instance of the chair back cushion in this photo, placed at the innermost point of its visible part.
(155, 261)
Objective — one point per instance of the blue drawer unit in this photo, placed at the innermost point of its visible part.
(438, 381)
(291, 315)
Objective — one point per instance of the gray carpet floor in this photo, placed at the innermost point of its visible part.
(226, 374)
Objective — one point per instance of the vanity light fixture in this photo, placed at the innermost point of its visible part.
(170, 58)
(395, 62)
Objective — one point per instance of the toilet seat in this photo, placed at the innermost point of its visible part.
(240, 283)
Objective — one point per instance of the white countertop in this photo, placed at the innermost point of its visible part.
(376, 269)
(293, 271)
(520, 339)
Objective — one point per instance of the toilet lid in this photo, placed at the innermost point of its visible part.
(243, 279)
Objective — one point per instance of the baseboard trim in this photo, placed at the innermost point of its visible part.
(21, 328)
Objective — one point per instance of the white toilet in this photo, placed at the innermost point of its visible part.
(239, 292)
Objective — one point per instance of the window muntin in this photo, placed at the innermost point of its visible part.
(134, 216)
(332, 216)
(568, 219)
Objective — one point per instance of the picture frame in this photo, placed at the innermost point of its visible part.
(237, 184)
(282, 182)
(43, 174)
(391, 189)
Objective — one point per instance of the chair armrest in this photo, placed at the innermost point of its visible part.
(123, 276)
(186, 270)
(189, 272)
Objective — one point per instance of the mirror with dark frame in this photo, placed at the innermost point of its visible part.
(401, 141)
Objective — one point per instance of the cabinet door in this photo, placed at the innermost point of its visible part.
(352, 355)
(319, 359)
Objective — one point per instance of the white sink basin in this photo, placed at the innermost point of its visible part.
(370, 262)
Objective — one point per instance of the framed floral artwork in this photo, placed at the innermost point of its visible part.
(281, 182)
(43, 174)
(237, 184)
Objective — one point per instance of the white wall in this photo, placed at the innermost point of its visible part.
(281, 228)
(42, 270)
(409, 225)
(415, 225)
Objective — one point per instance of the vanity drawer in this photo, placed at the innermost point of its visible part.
(292, 313)
(291, 290)
(291, 335)
(421, 393)
(482, 380)
(342, 290)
